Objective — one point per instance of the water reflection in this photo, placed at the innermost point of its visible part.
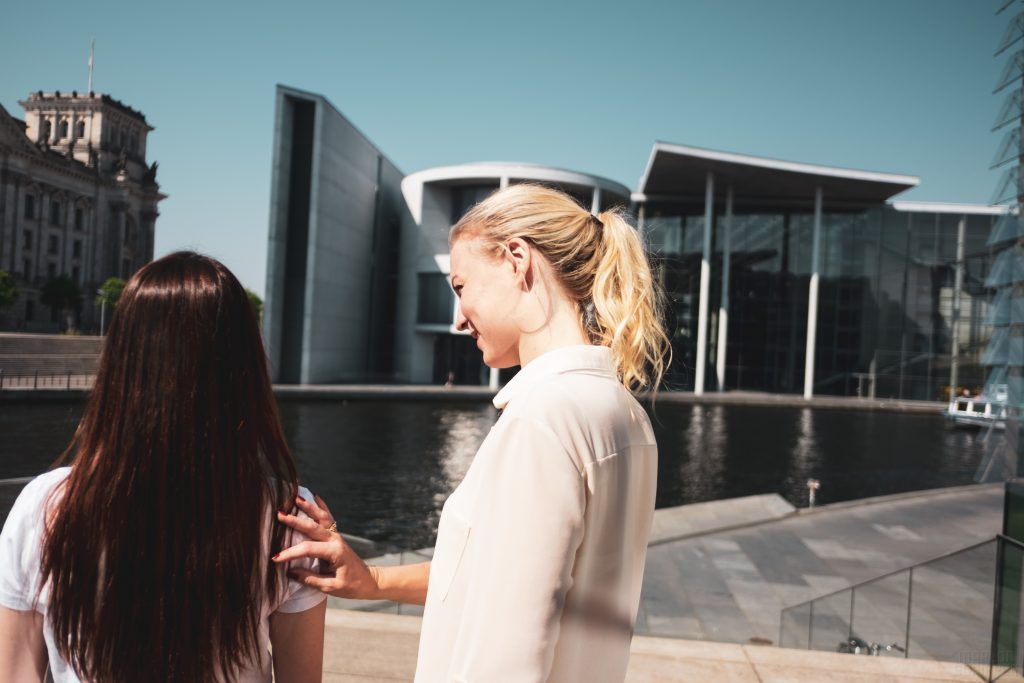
(805, 455)
(706, 438)
(386, 468)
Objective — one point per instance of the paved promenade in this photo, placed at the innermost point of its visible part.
(381, 648)
(731, 585)
(724, 570)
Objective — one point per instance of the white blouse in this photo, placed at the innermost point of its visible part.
(540, 550)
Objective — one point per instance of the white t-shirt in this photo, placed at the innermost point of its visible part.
(20, 569)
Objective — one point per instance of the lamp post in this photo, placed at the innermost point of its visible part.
(103, 309)
(812, 488)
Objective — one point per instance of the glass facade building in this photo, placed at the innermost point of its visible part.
(888, 315)
(885, 316)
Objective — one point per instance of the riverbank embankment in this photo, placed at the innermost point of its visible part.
(420, 392)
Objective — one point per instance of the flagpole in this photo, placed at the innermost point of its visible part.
(92, 48)
(92, 108)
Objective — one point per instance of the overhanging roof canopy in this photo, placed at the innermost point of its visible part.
(677, 174)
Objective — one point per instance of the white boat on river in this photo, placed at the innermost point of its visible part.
(979, 411)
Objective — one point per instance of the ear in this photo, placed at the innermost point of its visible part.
(520, 255)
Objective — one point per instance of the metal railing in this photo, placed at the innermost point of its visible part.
(964, 606)
(45, 380)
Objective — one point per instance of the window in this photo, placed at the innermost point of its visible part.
(80, 129)
(53, 246)
(26, 239)
(76, 273)
(126, 268)
(26, 269)
(30, 206)
(79, 219)
(44, 130)
(63, 129)
(464, 197)
(30, 310)
(55, 210)
(436, 305)
(51, 270)
(76, 248)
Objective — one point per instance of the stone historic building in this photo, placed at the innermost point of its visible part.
(77, 198)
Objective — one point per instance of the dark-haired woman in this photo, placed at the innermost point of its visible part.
(148, 558)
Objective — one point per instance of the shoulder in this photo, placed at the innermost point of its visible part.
(20, 541)
(30, 502)
(576, 398)
(567, 393)
(591, 415)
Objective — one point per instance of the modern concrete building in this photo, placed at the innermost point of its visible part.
(335, 215)
(77, 198)
(428, 348)
(781, 276)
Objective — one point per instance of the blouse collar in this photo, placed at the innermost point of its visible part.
(577, 358)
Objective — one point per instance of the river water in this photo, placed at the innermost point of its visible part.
(386, 467)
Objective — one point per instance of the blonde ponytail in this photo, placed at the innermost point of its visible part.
(601, 262)
(628, 306)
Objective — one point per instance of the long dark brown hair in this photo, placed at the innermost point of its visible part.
(156, 549)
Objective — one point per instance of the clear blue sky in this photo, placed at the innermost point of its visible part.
(888, 85)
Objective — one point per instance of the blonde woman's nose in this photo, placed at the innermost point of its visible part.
(461, 321)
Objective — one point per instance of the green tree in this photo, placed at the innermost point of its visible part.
(110, 292)
(62, 293)
(8, 290)
(107, 297)
(257, 304)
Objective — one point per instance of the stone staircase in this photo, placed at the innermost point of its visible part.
(48, 354)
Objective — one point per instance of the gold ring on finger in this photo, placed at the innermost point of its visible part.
(333, 528)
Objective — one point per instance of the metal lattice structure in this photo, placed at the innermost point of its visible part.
(1004, 356)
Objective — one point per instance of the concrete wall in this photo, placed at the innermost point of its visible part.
(424, 244)
(421, 243)
(275, 304)
(349, 228)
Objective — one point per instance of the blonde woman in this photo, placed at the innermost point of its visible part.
(540, 551)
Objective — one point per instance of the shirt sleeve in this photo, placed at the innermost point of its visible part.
(300, 597)
(527, 526)
(19, 549)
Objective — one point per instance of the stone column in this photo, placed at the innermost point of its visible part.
(723, 308)
(958, 286)
(705, 286)
(812, 298)
(4, 189)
